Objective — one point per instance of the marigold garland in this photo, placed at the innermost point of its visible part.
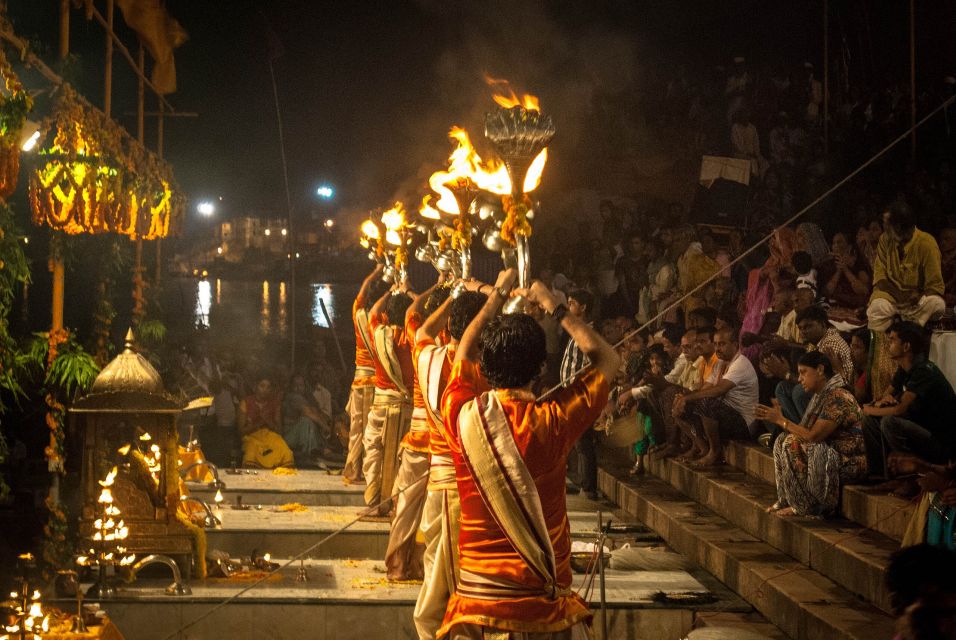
(56, 552)
(13, 113)
(516, 220)
(95, 178)
(461, 236)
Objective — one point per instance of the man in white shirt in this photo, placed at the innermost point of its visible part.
(723, 408)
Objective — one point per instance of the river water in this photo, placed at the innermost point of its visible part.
(245, 313)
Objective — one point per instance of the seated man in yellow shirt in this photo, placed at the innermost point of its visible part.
(907, 272)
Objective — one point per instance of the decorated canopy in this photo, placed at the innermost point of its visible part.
(96, 178)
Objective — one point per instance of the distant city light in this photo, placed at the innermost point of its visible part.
(297, 255)
(325, 191)
(206, 208)
(285, 232)
(329, 223)
(268, 232)
(26, 240)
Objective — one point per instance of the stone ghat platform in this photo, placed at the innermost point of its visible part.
(262, 487)
(288, 534)
(351, 599)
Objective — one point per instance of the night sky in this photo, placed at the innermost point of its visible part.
(368, 90)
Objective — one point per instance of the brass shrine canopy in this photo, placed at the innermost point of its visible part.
(128, 384)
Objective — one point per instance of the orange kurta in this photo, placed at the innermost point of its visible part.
(544, 433)
(417, 437)
(363, 357)
(403, 349)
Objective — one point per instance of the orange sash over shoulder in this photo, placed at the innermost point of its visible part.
(510, 494)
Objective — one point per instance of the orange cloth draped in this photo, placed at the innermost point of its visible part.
(403, 350)
(417, 437)
(544, 433)
(425, 351)
(199, 473)
(363, 341)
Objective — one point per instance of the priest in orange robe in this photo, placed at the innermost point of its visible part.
(510, 452)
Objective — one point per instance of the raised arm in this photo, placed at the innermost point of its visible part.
(471, 340)
(418, 303)
(381, 303)
(601, 354)
(366, 284)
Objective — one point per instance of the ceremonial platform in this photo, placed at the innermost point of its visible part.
(346, 594)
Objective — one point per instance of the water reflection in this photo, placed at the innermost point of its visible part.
(241, 310)
(322, 294)
(203, 303)
(282, 310)
(265, 323)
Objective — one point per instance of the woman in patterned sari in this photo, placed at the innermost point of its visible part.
(821, 452)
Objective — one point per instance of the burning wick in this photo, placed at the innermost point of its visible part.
(267, 557)
(218, 497)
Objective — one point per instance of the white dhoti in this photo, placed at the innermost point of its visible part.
(360, 403)
(387, 423)
(440, 530)
(881, 312)
(403, 557)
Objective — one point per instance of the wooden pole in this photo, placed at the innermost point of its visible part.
(64, 29)
(138, 309)
(288, 200)
(160, 133)
(826, 77)
(913, 78)
(108, 73)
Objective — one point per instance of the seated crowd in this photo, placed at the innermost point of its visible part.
(266, 420)
(820, 354)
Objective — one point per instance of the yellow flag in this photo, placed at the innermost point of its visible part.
(160, 34)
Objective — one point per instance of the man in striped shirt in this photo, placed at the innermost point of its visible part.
(580, 305)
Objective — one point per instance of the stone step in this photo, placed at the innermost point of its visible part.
(351, 600)
(860, 503)
(258, 486)
(798, 600)
(750, 622)
(851, 555)
(290, 533)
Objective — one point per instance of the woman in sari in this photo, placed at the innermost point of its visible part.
(821, 452)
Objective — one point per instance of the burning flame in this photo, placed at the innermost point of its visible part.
(370, 230)
(110, 478)
(428, 211)
(507, 97)
(267, 557)
(465, 165)
(124, 449)
(218, 497)
(533, 177)
(394, 221)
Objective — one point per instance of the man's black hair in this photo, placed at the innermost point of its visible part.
(863, 334)
(376, 290)
(802, 262)
(815, 313)
(902, 216)
(512, 351)
(673, 333)
(707, 314)
(708, 331)
(436, 298)
(398, 304)
(464, 308)
(732, 330)
(584, 298)
(912, 334)
(917, 571)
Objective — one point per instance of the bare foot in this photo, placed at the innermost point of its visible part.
(786, 512)
(665, 451)
(690, 456)
(710, 460)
